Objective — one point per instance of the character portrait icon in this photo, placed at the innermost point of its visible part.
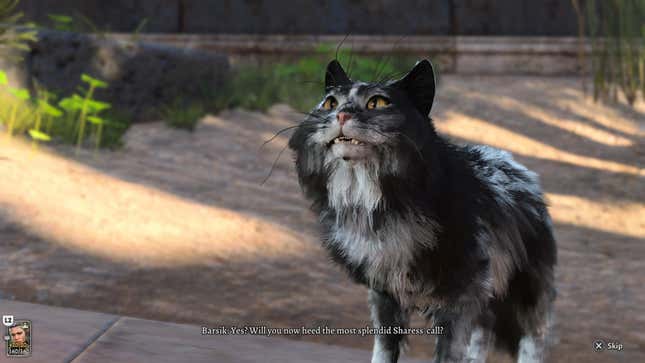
(19, 334)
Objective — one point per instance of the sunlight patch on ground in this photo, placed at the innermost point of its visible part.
(586, 213)
(80, 208)
(474, 129)
(603, 115)
(542, 115)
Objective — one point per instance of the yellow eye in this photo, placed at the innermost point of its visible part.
(377, 102)
(330, 103)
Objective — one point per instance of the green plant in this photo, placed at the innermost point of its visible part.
(183, 114)
(115, 124)
(20, 95)
(77, 22)
(14, 35)
(13, 109)
(61, 22)
(617, 33)
(44, 111)
(85, 106)
(136, 33)
(299, 83)
(80, 23)
(48, 111)
(42, 121)
(89, 25)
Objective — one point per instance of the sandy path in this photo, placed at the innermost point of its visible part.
(176, 226)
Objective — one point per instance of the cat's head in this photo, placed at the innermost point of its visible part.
(382, 126)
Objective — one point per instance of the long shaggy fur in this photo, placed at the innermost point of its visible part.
(459, 234)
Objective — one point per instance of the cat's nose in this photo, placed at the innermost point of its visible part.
(343, 117)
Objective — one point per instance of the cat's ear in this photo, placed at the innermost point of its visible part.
(335, 75)
(419, 84)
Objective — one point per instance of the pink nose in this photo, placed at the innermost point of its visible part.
(343, 117)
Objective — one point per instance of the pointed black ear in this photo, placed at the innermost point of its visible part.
(335, 75)
(419, 84)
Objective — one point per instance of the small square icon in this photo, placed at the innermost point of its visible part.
(7, 320)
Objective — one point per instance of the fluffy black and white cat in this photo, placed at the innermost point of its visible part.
(460, 234)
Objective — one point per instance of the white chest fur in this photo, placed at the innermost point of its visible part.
(387, 252)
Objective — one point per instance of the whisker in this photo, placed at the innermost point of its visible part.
(277, 134)
(388, 77)
(312, 115)
(275, 162)
(302, 124)
(381, 66)
(340, 45)
(389, 57)
(309, 114)
(351, 61)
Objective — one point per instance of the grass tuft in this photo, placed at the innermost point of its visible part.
(300, 83)
(183, 114)
(617, 33)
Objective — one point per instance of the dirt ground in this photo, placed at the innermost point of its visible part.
(177, 226)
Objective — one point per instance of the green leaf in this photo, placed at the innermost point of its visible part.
(95, 120)
(97, 106)
(115, 124)
(141, 25)
(3, 78)
(72, 103)
(37, 135)
(20, 93)
(49, 109)
(60, 18)
(93, 81)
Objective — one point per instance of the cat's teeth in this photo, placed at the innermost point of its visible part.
(346, 139)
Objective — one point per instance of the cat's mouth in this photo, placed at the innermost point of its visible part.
(350, 149)
(345, 140)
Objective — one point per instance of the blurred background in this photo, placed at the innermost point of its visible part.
(143, 169)
(442, 17)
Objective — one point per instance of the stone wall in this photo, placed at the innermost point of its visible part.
(452, 54)
(375, 17)
(141, 76)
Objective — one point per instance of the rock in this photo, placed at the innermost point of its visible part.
(142, 77)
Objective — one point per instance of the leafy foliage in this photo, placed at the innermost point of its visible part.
(617, 31)
(73, 119)
(300, 83)
(183, 114)
(79, 23)
(14, 36)
(61, 22)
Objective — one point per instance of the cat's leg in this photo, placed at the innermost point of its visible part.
(480, 341)
(453, 345)
(533, 344)
(386, 312)
(537, 324)
(531, 349)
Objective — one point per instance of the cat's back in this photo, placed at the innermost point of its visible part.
(499, 171)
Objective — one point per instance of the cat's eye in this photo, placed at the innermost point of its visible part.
(330, 103)
(377, 102)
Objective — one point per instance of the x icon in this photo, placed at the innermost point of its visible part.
(598, 345)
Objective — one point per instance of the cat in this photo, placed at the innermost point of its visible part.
(459, 234)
